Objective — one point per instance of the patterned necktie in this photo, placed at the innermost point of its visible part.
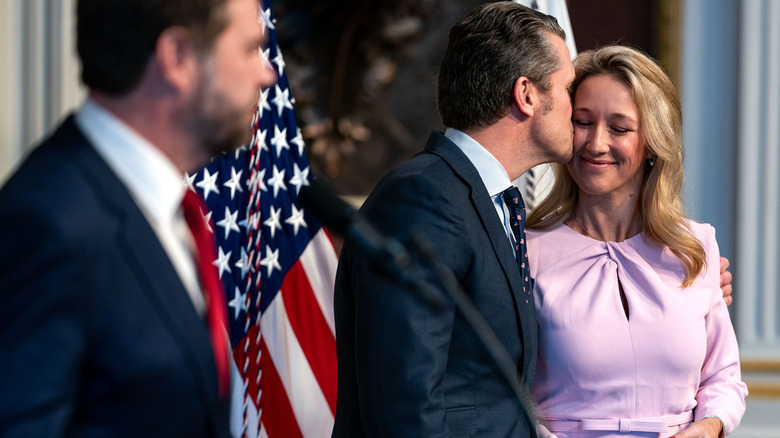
(516, 207)
(193, 208)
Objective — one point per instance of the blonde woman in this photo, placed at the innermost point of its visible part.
(634, 335)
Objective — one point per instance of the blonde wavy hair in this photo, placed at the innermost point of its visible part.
(660, 114)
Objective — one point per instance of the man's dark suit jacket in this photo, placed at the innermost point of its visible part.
(98, 335)
(409, 366)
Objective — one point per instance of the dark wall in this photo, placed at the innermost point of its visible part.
(363, 73)
(599, 22)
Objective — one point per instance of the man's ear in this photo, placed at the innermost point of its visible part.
(176, 58)
(526, 96)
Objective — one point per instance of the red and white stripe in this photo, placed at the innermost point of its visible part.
(298, 353)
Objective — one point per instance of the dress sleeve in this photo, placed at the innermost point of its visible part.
(721, 389)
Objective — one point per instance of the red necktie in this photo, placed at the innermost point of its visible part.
(193, 208)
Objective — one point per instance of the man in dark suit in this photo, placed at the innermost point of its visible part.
(103, 326)
(409, 365)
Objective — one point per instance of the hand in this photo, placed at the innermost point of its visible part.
(709, 427)
(725, 280)
(543, 432)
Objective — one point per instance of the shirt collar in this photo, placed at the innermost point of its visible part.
(154, 182)
(493, 174)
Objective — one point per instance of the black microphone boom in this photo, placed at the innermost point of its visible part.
(342, 218)
(329, 208)
(389, 254)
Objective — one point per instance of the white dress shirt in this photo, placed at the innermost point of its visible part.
(154, 183)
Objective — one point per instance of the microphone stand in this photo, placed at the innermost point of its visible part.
(486, 335)
(393, 257)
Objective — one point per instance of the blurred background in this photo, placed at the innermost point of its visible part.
(363, 77)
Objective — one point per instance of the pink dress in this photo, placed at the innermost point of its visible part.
(673, 360)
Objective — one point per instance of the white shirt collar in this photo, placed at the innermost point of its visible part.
(154, 182)
(493, 174)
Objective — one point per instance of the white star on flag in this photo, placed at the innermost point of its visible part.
(279, 61)
(261, 135)
(265, 19)
(189, 180)
(243, 263)
(296, 220)
(207, 218)
(273, 223)
(277, 181)
(208, 184)
(298, 141)
(230, 222)
(234, 183)
(300, 178)
(263, 106)
(282, 100)
(222, 262)
(237, 303)
(266, 54)
(271, 260)
(280, 140)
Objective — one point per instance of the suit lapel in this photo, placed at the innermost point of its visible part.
(440, 145)
(173, 305)
(145, 256)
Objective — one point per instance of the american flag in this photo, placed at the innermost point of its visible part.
(278, 266)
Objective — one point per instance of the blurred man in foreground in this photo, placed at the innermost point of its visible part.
(109, 322)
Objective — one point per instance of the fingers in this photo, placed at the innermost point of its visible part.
(725, 281)
(705, 428)
(543, 432)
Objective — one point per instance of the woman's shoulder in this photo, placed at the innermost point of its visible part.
(702, 231)
(547, 230)
(548, 246)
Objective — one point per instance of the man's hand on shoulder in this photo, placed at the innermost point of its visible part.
(725, 281)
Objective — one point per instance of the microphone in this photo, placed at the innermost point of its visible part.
(392, 256)
(329, 208)
(344, 219)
